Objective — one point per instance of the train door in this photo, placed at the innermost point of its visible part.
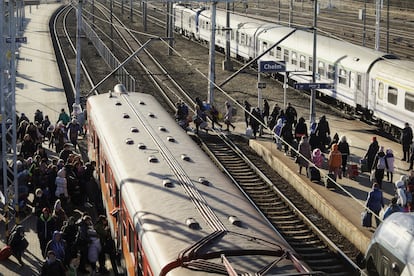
(372, 94)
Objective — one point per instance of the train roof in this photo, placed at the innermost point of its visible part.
(400, 72)
(329, 49)
(172, 190)
(396, 233)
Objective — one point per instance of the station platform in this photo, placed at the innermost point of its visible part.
(38, 86)
(38, 80)
(343, 205)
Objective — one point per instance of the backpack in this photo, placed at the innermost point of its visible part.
(381, 163)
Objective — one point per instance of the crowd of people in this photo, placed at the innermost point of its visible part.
(62, 184)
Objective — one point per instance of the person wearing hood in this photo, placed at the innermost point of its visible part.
(301, 129)
(401, 192)
(392, 208)
(317, 157)
(59, 214)
(372, 152)
(277, 130)
(45, 228)
(379, 166)
(58, 245)
(305, 154)
(375, 201)
(335, 161)
(61, 185)
(18, 243)
(389, 157)
(343, 147)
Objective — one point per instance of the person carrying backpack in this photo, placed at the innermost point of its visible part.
(379, 166)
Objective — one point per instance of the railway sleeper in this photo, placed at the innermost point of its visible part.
(300, 244)
(285, 217)
(300, 236)
(300, 233)
(304, 250)
(316, 255)
(288, 227)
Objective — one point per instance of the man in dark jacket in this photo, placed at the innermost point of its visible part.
(406, 140)
(52, 266)
(45, 228)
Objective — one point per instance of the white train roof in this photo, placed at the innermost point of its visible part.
(162, 212)
(330, 50)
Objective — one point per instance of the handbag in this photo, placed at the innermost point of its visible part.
(366, 219)
(372, 176)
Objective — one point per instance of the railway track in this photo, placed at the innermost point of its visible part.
(315, 251)
(318, 251)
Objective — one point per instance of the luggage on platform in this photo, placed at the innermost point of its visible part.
(353, 171)
(314, 174)
(364, 165)
(249, 132)
(366, 218)
(5, 253)
(330, 181)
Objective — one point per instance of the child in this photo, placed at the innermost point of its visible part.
(317, 157)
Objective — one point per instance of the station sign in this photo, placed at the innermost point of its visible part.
(307, 86)
(261, 85)
(17, 39)
(271, 66)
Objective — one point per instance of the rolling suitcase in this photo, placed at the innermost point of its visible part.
(353, 171)
(364, 165)
(314, 174)
(5, 253)
(366, 218)
(329, 181)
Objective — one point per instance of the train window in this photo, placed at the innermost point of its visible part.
(380, 91)
(294, 58)
(278, 52)
(242, 39)
(392, 95)
(106, 173)
(272, 52)
(359, 82)
(310, 64)
(116, 196)
(302, 62)
(264, 46)
(237, 36)
(286, 55)
(207, 26)
(409, 102)
(131, 238)
(321, 68)
(342, 76)
(331, 72)
(232, 35)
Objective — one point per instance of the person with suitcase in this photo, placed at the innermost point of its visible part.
(375, 202)
(18, 243)
(343, 147)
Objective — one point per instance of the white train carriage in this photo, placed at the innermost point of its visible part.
(343, 64)
(186, 20)
(392, 93)
(391, 249)
(347, 66)
(176, 213)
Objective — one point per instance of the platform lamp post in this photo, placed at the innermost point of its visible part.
(314, 62)
(76, 107)
(212, 60)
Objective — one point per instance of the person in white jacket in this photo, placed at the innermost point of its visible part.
(61, 185)
(401, 194)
